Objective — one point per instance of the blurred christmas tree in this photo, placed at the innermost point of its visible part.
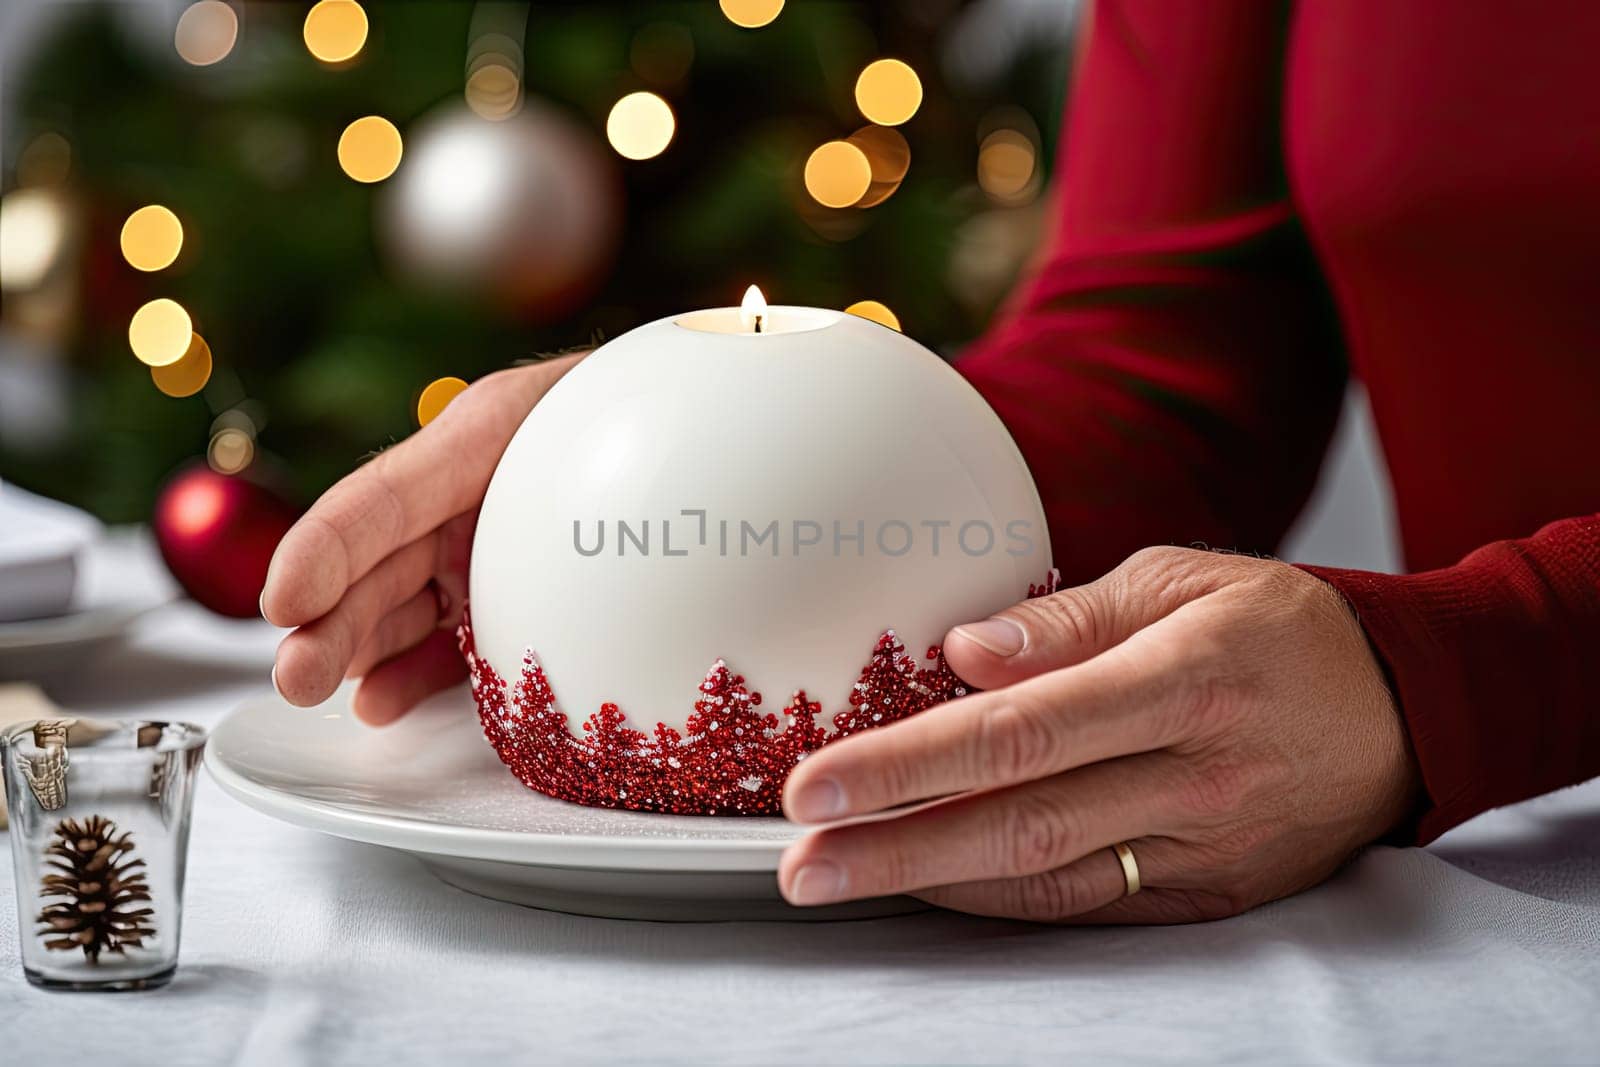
(334, 267)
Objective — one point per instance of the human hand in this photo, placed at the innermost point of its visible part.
(373, 577)
(1223, 715)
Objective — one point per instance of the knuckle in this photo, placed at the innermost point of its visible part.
(1069, 614)
(1211, 694)
(895, 777)
(1219, 788)
(1014, 742)
(1035, 836)
(386, 637)
(1213, 703)
(1157, 570)
(335, 545)
(1208, 648)
(893, 873)
(1156, 557)
(1239, 844)
(1298, 587)
(1047, 897)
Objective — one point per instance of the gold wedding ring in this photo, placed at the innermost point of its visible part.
(1130, 867)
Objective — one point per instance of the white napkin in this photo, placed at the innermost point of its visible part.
(40, 540)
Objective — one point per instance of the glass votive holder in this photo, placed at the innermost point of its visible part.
(99, 836)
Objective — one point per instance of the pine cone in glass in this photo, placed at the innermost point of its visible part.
(96, 877)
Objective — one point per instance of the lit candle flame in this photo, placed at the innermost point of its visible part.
(753, 310)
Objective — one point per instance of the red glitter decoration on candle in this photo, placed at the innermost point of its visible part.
(732, 758)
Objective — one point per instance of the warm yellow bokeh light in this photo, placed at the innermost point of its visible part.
(888, 92)
(494, 91)
(159, 333)
(33, 232)
(151, 238)
(1006, 162)
(837, 174)
(890, 158)
(230, 451)
(640, 126)
(886, 150)
(206, 32)
(369, 149)
(872, 309)
(189, 374)
(436, 397)
(751, 14)
(335, 30)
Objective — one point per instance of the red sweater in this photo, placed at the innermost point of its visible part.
(1253, 199)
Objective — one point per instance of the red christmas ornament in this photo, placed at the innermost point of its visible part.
(217, 533)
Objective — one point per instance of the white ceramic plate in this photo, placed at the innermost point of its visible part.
(38, 647)
(430, 785)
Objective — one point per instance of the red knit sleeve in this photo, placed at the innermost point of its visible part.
(1171, 376)
(1496, 666)
(1170, 372)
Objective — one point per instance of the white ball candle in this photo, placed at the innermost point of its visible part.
(795, 497)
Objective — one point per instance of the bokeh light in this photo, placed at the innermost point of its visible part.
(877, 312)
(837, 174)
(751, 14)
(1007, 160)
(160, 331)
(494, 75)
(640, 126)
(988, 250)
(206, 32)
(369, 148)
(33, 230)
(494, 91)
(436, 397)
(189, 374)
(335, 30)
(888, 92)
(889, 156)
(238, 418)
(231, 451)
(151, 238)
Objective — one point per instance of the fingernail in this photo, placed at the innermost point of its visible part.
(275, 687)
(1000, 636)
(817, 801)
(261, 604)
(818, 882)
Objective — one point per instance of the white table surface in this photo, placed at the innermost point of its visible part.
(299, 948)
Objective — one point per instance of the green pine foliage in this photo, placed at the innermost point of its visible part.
(285, 280)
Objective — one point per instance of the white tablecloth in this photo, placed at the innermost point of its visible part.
(299, 948)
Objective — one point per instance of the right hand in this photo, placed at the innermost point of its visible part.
(373, 577)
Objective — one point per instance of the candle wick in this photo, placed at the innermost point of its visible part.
(758, 322)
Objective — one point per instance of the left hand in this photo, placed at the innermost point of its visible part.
(1223, 715)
